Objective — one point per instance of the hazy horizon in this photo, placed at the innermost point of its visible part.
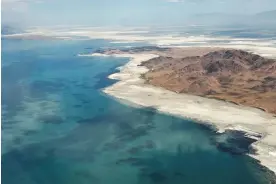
(133, 13)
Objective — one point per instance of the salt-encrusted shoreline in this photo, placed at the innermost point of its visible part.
(222, 115)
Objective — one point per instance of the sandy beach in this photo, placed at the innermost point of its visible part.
(223, 115)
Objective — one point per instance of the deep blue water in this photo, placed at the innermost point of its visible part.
(58, 127)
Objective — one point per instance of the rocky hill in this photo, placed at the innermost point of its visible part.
(231, 75)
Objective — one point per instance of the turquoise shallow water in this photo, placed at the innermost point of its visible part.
(58, 127)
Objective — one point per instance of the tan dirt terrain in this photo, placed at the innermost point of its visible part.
(232, 75)
(226, 74)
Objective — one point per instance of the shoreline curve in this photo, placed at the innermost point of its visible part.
(220, 114)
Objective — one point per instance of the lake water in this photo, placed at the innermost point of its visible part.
(59, 128)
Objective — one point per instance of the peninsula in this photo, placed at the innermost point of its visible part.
(185, 81)
(225, 74)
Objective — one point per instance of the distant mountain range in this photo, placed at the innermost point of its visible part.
(9, 29)
(267, 15)
(266, 19)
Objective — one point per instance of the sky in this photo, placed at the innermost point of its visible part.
(121, 12)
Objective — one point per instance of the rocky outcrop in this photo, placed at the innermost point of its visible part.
(231, 75)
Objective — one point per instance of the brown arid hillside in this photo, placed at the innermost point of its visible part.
(232, 75)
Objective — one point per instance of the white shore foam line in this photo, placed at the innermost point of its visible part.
(223, 115)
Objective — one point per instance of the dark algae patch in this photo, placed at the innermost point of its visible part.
(234, 142)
